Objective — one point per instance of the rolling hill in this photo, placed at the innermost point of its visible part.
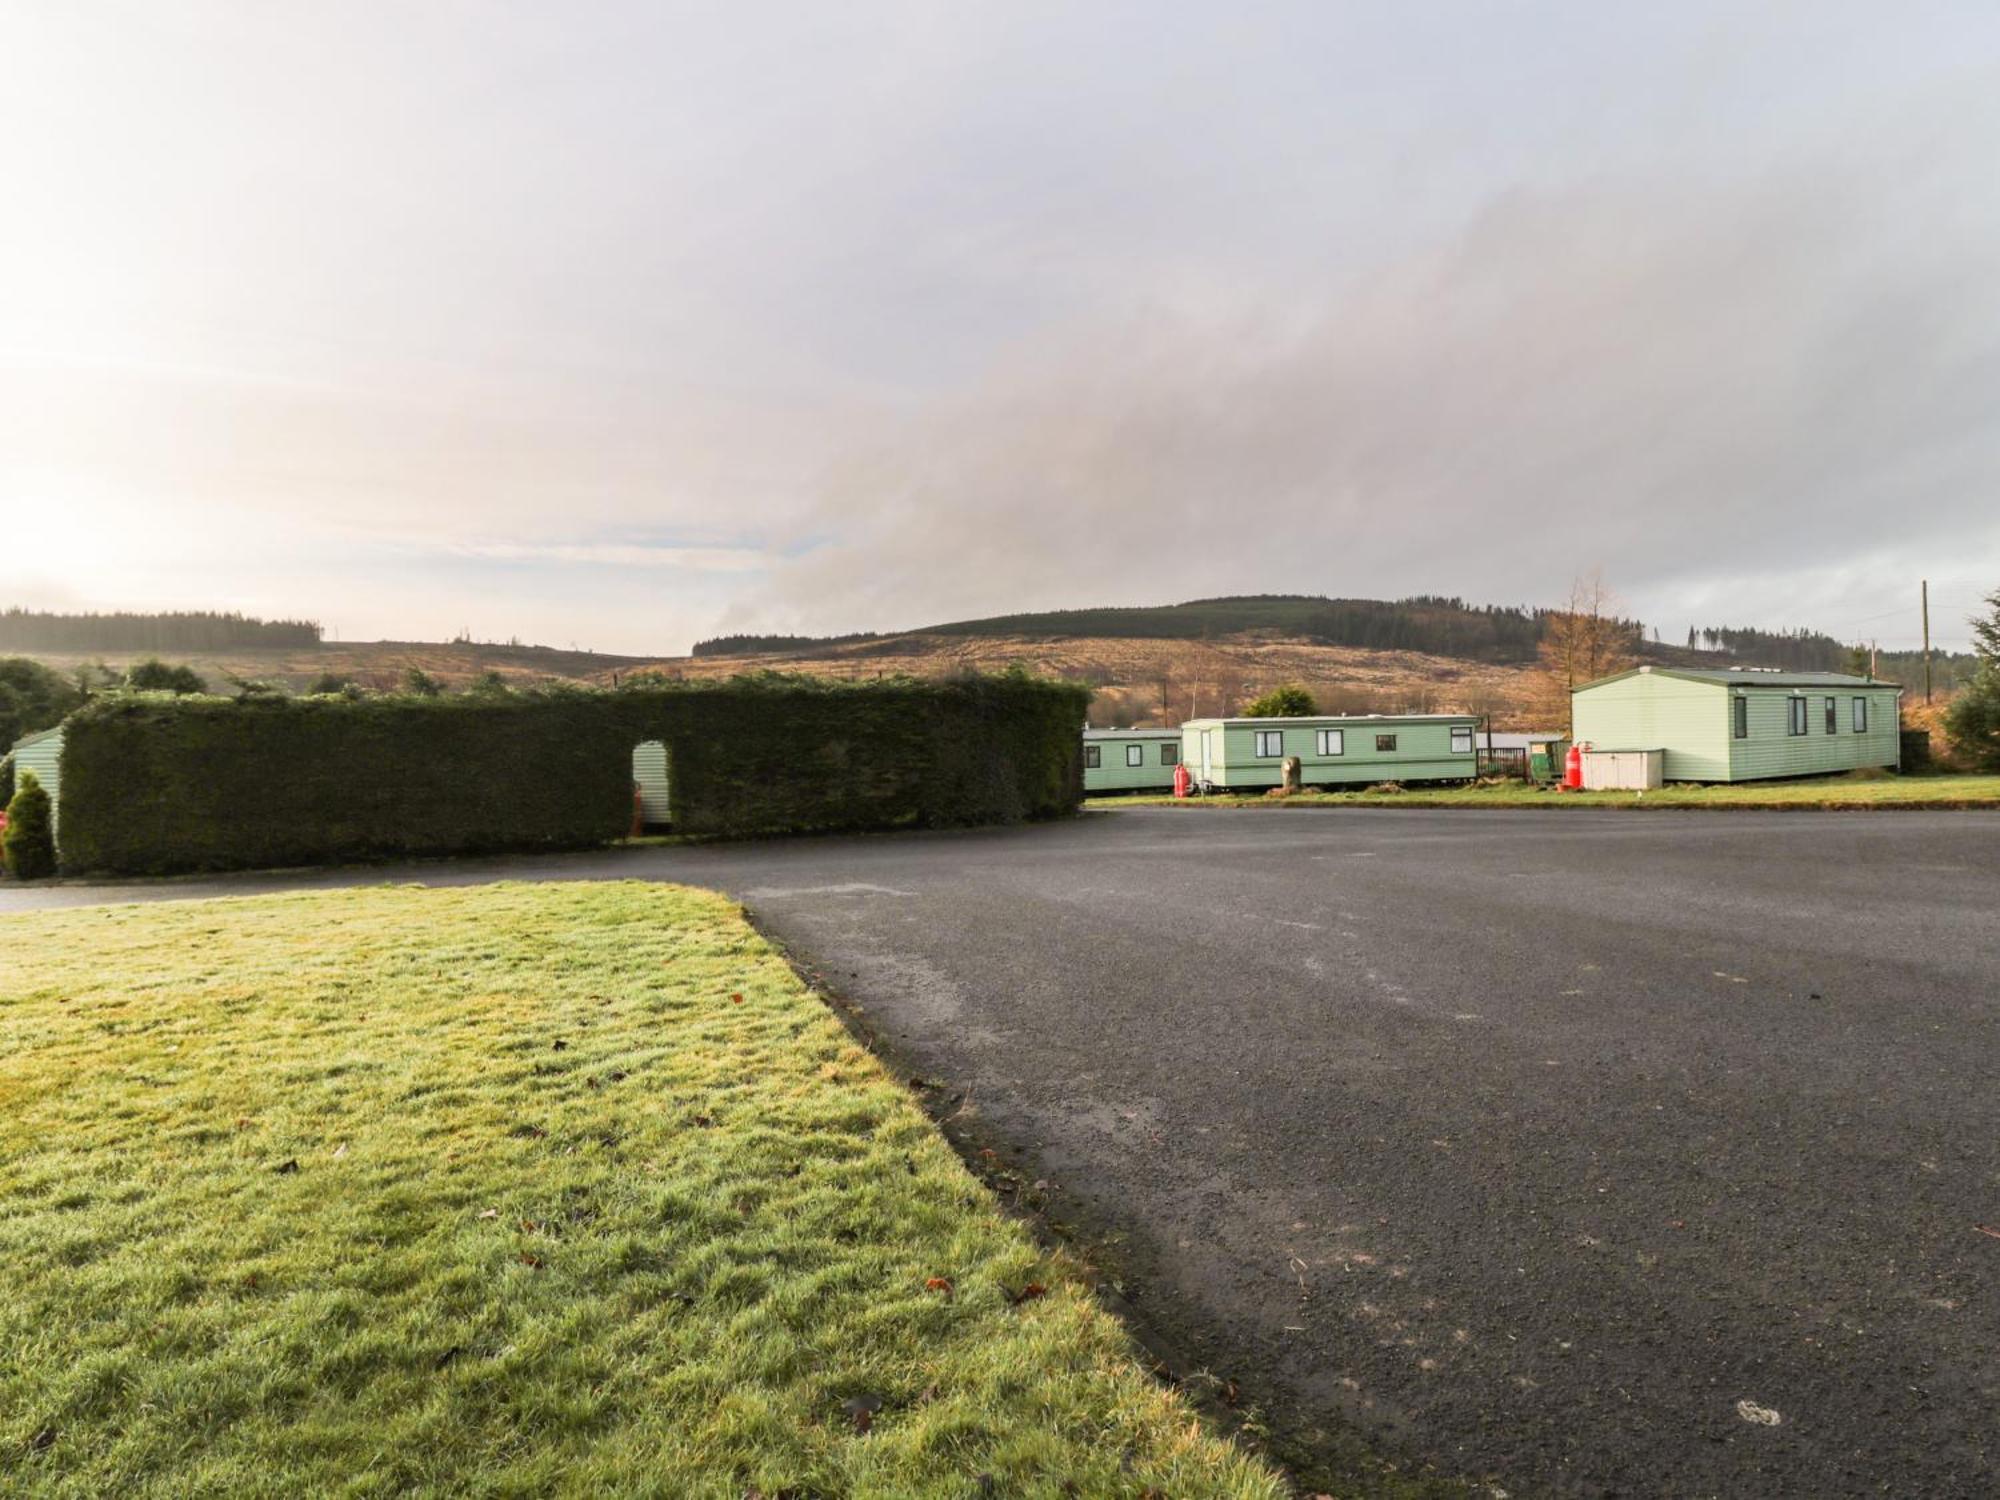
(1156, 664)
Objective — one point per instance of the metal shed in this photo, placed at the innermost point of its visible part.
(1332, 750)
(1742, 723)
(42, 754)
(1130, 760)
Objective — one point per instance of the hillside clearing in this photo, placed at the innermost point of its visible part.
(518, 1189)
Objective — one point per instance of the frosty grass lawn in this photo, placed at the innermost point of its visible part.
(515, 1190)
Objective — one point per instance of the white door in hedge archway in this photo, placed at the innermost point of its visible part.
(649, 774)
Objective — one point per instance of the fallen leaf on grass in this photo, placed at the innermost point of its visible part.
(939, 1284)
(490, 1213)
(735, 999)
(861, 1410)
(286, 1168)
(1028, 1293)
(532, 1261)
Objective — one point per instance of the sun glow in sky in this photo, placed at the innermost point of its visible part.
(621, 324)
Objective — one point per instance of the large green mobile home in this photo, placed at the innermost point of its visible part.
(1741, 724)
(1130, 760)
(1249, 753)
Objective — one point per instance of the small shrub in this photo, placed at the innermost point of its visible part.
(333, 684)
(420, 684)
(1386, 787)
(29, 842)
(1288, 702)
(253, 689)
(155, 676)
(32, 698)
(1973, 721)
(489, 684)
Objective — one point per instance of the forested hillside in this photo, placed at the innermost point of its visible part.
(1437, 626)
(1815, 651)
(186, 630)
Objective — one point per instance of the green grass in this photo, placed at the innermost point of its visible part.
(507, 1192)
(1831, 792)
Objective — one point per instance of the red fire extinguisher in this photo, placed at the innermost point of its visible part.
(1573, 769)
(1182, 781)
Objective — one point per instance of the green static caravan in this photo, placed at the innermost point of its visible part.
(42, 754)
(1234, 754)
(1741, 724)
(1130, 760)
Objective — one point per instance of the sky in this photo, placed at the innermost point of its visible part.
(619, 325)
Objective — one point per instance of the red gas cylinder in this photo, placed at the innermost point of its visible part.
(1573, 768)
(1182, 781)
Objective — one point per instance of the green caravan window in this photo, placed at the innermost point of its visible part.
(1270, 743)
(1093, 756)
(1833, 716)
(1135, 755)
(1741, 708)
(1385, 742)
(1461, 742)
(1330, 741)
(1860, 715)
(1170, 755)
(1796, 723)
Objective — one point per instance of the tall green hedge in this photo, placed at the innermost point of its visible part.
(154, 785)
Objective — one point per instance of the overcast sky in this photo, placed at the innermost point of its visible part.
(621, 324)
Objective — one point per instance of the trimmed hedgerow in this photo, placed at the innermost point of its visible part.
(154, 785)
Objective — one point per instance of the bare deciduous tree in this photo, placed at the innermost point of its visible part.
(1580, 643)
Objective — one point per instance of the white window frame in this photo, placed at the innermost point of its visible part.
(1460, 731)
(1798, 716)
(1860, 715)
(1135, 757)
(1330, 741)
(1270, 737)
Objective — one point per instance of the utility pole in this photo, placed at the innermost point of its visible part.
(1872, 654)
(1927, 641)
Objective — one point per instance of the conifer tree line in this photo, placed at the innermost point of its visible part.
(124, 630)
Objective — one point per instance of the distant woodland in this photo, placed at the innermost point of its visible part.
(190, 630)
(1439, 626)
(1813, 651)
(1435, 625)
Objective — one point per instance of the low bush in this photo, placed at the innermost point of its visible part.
(28, 842)
(1291, 701)
(1973, 721)
(155, 676)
